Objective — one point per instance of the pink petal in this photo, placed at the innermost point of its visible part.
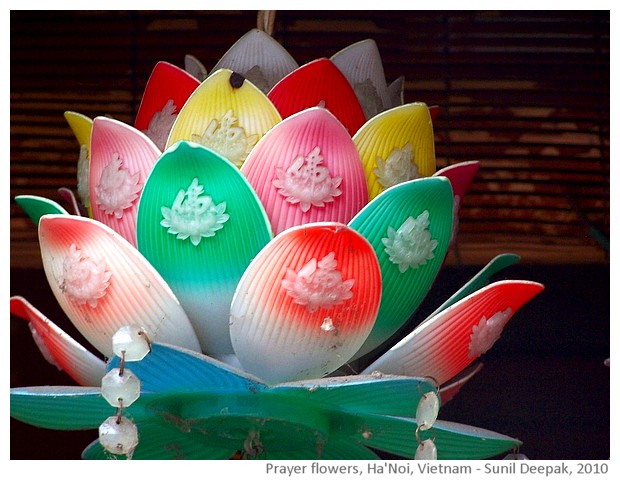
(113, 141)
(290, 145)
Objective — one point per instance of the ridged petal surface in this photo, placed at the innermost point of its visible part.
(453, 441)
(319, 83)
(121, 160)
(103, 283)
(163, 441)
(81, 126)
(203, 271)
(166, 91)
(398, 136)
(260, 58)
(227, 114)
(307, 169)
(410, 257)
(306, 303)
(71, 357)
(171, 369)
(446, 344)
(62, 408)
(460, 175)
(361, 64)
(195, 67)
(383, 395)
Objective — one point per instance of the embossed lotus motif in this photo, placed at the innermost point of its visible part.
(267, 238)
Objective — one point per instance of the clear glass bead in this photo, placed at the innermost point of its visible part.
(426, 450)
(118, 435)
(516, 456)
(131, 340)
(116, 387)
(427, 410)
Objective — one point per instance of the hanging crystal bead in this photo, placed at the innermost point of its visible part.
(118, 435)
(132, 342)
(426, 450)
(427, 411)
(120, 390)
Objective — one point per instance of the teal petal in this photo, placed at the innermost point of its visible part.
(35, 206)
(68, 408)
(341, 449)
(201, 260)
(385, 394)
(173, 369)
(481, 279)
(158, 441)
(406, 284)
(453, 441)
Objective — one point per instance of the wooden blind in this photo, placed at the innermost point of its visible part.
(524, 93)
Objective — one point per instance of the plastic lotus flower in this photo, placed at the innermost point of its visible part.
(261, 241)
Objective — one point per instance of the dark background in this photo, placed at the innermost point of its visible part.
(524, 93)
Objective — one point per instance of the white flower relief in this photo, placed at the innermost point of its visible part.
(487, 332)
(118, 188)
(411, 245)
(227, 138)
(161, 124)
(318, 284)
(84, 279)
(307, 182)
(83, 175)
(397, 168)
(194, 215)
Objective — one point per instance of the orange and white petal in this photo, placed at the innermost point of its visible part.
(307, 169)
(306, 303)
(59, 348)
(446, 344)
(103, 283)
(122, 158)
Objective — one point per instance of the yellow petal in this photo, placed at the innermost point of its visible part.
(407, 128)
(225, 103)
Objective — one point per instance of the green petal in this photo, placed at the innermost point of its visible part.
(68, 408)
(158, 441)
(453, 441)
(403, 291)
(203, 272)
(385, 395)
(35, 207)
